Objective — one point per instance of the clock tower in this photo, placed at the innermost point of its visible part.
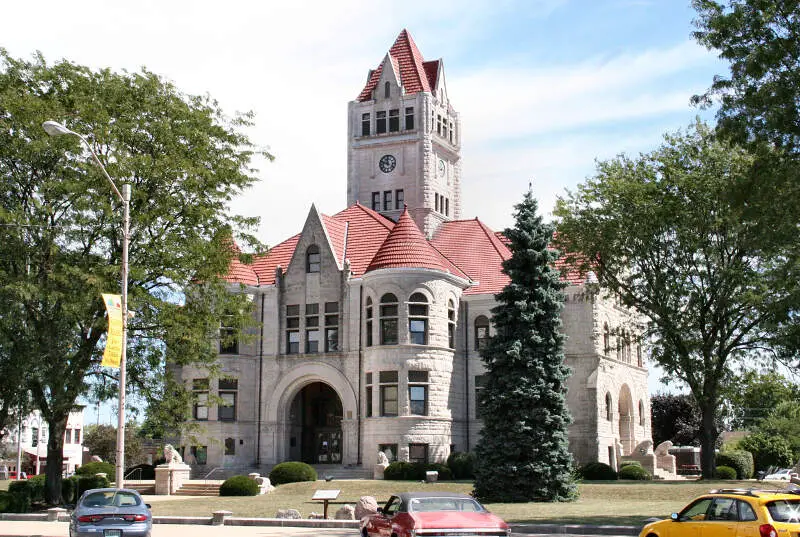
(404, 140)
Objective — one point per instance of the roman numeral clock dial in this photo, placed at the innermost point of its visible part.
(387, 163)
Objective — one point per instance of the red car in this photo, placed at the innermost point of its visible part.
(417, 514)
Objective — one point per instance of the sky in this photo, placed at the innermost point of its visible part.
(545, 88)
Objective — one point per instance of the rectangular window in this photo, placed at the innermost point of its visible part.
(418, 453)
(480, 383)
(387, 200)
(444, 128)
(34, 436)
(388, 381)
(364, 124)
(380, 122)
(436, 197)
(368, 395)
(399, 199)
(388, 324)
(312, 328)
(418, 331)
(418, 392)
(376, 201)
(228, 389)
(438, 124)
(68, 436)
(452, 133)
(200, 391)
(394, 120)
(331, 326)
(77, 436)
(410, 118)
(447, 206)
(228, 343)
(230, 446)
(293, 329)
(368, 326)
(390, 450)
(200, 454)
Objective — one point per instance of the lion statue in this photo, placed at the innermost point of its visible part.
(171, 455)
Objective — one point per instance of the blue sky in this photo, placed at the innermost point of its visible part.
(544, 87)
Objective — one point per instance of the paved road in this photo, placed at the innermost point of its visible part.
(61, 529)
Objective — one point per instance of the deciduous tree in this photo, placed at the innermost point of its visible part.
(675, 417)
(522, 454)
(673, 235)
(60, 228)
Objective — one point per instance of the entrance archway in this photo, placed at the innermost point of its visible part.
(315, 416)
(626, 436)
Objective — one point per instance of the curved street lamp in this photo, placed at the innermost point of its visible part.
(53, 128)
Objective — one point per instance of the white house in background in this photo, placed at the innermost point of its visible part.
(35, 436)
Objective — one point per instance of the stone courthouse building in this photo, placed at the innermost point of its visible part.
(371, 319)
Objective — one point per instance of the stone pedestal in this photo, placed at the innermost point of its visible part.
(377, 471)
(170, 477)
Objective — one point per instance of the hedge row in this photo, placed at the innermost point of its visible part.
(23, 494)
(741, 461)
(415, 471)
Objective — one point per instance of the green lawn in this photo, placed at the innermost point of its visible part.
(622, 503)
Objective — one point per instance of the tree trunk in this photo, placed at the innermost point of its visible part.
(55, 459)
(708, 440)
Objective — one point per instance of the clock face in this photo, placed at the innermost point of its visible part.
(441, 168)
(387, 163)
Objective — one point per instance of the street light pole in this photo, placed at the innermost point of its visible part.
(53, 128)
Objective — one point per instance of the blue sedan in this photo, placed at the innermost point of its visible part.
(111, 513)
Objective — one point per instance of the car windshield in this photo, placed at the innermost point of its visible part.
(110, 498)
(784, 510)
(422, 505)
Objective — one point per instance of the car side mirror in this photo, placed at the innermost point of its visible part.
(675, 517)
(148, 506)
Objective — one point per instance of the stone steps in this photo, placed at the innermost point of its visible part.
(198, 489)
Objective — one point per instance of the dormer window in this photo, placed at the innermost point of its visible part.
(312, 259)
(387, 90)
(365, 124)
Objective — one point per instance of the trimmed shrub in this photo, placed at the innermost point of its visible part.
(239, 485)
(623, 464)
(21, 493)
(404, 471)
(146, 471)
(86, 482)
(292, 472)
(634, 472)
(725, 472)
(462, 465)
(5, 501)
(69, 487)
(598, 471)
(92, 468)
(739, 460)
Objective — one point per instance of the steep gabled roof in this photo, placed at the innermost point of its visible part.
(407, 247)
(477, 251)
(432, 72)
(366, 231)
(336, 233)
(408, 62)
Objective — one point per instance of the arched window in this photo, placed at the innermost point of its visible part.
(312, 259)
(369, 322)
(418, 319)
(451, 324)
(609, 408)
(388, 320)
(606, 339)
(387, 90)
(641, 413)
(481, 332)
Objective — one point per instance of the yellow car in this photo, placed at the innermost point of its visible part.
(734, 513)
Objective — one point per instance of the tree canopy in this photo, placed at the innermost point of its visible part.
(60, 228)
(675, 417)
(673, 234)
(522, 454)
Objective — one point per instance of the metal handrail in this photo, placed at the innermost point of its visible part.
(211, 472)
(133, 472)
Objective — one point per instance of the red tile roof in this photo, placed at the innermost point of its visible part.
(366, 231)
(407, 247)
(408, 60)
(432, 72)
(238, 272)
(477, 251)
(336, 231)
(570, 275)
(280, 254)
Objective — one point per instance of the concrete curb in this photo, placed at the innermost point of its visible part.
(575, 529)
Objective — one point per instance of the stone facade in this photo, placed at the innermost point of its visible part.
(349, 360)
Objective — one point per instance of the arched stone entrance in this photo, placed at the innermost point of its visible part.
(315, 417)
(626, 433)
(310, 391)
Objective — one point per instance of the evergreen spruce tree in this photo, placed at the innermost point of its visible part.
(522, 452)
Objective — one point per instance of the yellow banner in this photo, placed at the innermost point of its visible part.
(113, 352)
